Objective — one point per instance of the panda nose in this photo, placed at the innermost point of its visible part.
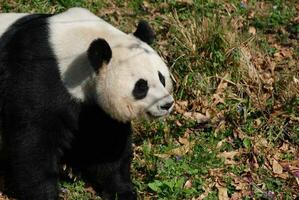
(167, 106)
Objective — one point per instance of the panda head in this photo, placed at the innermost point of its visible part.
(131, 81)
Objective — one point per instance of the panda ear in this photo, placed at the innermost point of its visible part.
(144, 32)
(99, 53)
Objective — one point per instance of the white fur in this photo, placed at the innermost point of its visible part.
(72, 32)
(7, 19)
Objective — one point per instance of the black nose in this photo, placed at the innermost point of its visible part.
(167, 106)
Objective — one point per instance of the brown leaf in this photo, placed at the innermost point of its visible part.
(251, 14)
(188, 184)
(182, 150)
(185, 2)
(236, 196)
(252, 30)
(294, 163)
(222, 192)
(207, 189)
(220, 143)
(162, 155)
(217, 99)
(229, 156)
(277, 168)
(183, 140)
(222, 85)
(179, 151)
(181, 106)
(200, 118)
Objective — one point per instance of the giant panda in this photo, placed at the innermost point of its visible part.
(70, 85)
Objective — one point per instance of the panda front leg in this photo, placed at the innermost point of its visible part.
(33, 172)
(119, 185)
(112, 179)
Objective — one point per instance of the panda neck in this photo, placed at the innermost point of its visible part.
(78, 78)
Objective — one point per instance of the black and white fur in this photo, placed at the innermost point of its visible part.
(70, 85)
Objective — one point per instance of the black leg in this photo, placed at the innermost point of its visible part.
(112, 180)
(33, 165)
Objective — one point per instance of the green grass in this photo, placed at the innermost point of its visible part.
(245, 83)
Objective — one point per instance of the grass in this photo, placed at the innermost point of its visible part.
(235, 129)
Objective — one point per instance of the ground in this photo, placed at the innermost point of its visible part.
(234, 133)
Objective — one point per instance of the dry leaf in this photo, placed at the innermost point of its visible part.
(229, 156)
(296, 80)
(182, 150)
(251, 14)
(181, 106)
(294, 163)
(257, 123)
(222, 192)
(185, 2)
(236, 196)
(217, 99)
(183, 140)
(284, 176)
(179, 151)
(252, 30)
(277, 168)
(200, 118)
(220, 143)
(222, 85)
(207, 190)
(188, 184)
(162, 155)
(216, 172)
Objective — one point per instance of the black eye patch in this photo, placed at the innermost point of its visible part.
(162, 78)
(140, 89)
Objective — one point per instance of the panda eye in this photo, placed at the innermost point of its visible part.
(140, 89)
(162, 79)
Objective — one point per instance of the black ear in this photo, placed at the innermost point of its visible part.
(99, 53)
(144, 32)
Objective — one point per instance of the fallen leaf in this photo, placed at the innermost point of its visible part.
(181, 106)
(222, 192)
(294, 163)
(296, 81)
(222, 85)
(251, 14)
(200, 118)
(162, 155)
(182, 150)
(188, 184)
(185, 2)
(220, 143)
(277, 168)
(179, 151)
(229, 156)
(217, 99)
(236, 196)
(252, 30)
(183, 140)
(207, 189)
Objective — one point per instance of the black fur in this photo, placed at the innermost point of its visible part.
(161, 78)
(103, 156)
(144, 32)
(140, 89)
(99, 52)
(41, 121)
